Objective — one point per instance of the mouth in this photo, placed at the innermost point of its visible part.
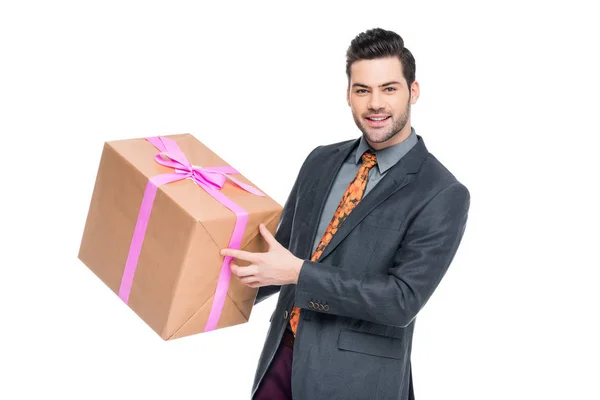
(377, 120)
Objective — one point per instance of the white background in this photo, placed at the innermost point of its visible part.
(509, 100)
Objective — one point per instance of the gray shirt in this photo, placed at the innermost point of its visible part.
(386, 158)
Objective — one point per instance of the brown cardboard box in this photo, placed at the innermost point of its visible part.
(179, 263)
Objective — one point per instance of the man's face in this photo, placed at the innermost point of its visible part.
(380, 100)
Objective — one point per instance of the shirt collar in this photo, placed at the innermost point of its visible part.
(386, 158)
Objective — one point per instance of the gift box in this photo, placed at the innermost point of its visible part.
(161, 210)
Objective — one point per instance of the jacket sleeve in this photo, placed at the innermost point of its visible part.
(393, 298)
(284, 229)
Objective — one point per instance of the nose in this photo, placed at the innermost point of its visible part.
(375, 101)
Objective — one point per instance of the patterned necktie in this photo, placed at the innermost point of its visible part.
(350, 199)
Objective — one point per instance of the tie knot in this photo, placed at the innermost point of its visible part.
(369, 159)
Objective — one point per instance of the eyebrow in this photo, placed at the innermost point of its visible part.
(384, 85)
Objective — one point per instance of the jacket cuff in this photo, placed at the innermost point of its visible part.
(310, 293)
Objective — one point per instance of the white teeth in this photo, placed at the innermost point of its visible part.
(378, 119)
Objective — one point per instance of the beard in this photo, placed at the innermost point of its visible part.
(380, 135)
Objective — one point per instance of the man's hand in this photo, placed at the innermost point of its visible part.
(278, 266)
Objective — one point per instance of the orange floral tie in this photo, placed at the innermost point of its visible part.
(352, 196)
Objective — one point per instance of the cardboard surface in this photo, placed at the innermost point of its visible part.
(179, 263)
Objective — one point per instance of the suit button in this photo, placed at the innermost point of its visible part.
(326, 308)
(311, 304)
(285, 314)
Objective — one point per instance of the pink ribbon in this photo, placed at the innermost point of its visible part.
(211, 179)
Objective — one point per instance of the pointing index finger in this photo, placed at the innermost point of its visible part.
(239, 254)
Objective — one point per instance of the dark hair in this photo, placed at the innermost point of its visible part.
(380, 43)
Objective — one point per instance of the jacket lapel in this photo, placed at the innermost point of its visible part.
(324, 173)
(397, 177)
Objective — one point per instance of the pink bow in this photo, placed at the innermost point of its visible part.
(209, 178)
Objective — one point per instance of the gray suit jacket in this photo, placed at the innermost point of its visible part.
(360, 299)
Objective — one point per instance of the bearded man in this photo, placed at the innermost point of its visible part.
(369, 230)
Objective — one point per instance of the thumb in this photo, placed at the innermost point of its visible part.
(270, 239)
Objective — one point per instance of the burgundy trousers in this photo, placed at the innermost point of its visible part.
(277, 382)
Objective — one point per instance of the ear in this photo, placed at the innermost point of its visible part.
(415, 92)
(348, 95)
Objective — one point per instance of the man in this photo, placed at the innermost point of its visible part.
(354, 273)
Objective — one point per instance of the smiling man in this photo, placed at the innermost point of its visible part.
(367, 234)
(382, 110)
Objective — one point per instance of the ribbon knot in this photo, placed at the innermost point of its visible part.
(209, 178)
(201, 176)
(206, 176)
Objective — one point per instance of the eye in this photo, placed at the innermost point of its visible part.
(360, 91)
(391, 89)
